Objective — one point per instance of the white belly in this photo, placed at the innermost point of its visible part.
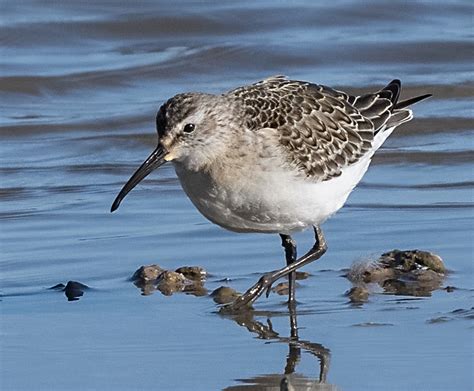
(275, 201)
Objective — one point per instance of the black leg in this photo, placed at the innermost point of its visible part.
(267, 280)
(290, 252)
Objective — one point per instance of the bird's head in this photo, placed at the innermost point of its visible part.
(193, 131)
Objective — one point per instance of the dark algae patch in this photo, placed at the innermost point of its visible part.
(404, 273)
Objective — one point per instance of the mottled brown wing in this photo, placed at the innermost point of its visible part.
(321, 131)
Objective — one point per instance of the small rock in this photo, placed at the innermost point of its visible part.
(171, 277)
(192, 272)
(412, 259)
(171, 282)
(147, 274)
(224, 295)
(73, 290)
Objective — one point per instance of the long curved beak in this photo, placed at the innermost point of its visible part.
(155, 160)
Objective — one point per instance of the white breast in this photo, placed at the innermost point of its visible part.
(270, 199)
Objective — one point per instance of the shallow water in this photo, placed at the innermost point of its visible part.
(80, 87)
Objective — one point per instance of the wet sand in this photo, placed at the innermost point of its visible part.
(80, 87)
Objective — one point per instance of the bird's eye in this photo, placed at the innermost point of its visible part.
(189, 128)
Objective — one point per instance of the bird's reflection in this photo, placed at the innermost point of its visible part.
(288, 379)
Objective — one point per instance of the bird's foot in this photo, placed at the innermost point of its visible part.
(244, 302)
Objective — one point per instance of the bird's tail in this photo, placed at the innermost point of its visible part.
(385, 110)
(398, 110)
